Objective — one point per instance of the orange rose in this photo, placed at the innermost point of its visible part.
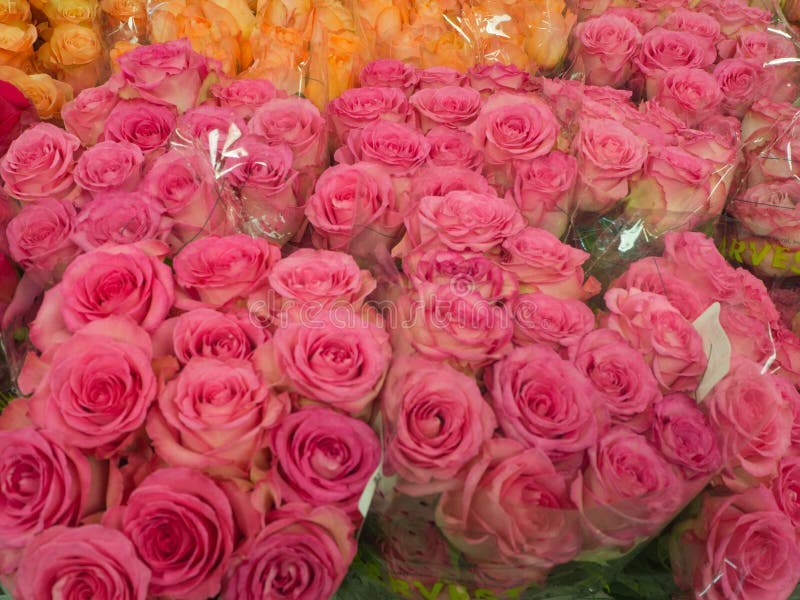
(295, 14)
(48, 95)
(15, 10)
(72, 45)
(333, 16)
(550, 25)
(16, 44)
(379, 22)
(343, 62)
(427, 45)
(118, 50)
(76, 12)
(127, 19)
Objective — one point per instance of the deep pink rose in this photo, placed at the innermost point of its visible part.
(169, 73)
(141, 123)
(452, 106)
(120, 218)
(98, 387)
(544, 402)
(606, 47)
(244, 96)
(210, 128)
(389, 73)
(296, 122)
(695, 257)
(336, 358)
(543, 190)
(214, 416)
(219, 271)
(39, 237)
(357, 107)
(684, 436)
(322, 458)
(302, 552)
(543, 263)
(543, 319)
(692, 94)
(511, 127)
(497, 77)
(39, 164)
(655, 328)
(435, 421)
(16, 114)
(109, 166)
(628, 490)
(512, 510)
(663, 49)
(621, 376)
(84, 562)
(740, 82)
(398, 148)
(86, 115)
(434, 77)
(171, 510)
(451, 148)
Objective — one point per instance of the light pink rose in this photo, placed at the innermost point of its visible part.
(93, 391)
(543, 190)
(497, 77)
(643, 19)
(657, 125)
(544, 402)
(310, 547)
(685, 437)
(55, 487)
(109, 166)
(512, 510)
(39, 164)
(389, 73)
(748, 333)
(214, 416)
(173, 509)
(321, 457)
(754, 422)
(451, 148)
(440, 181)
(120, 218)
(775, 52)
(543, 319)
(770, 210)
(725, 128)
(771, 137)
(786, 488)
(511, 127)
(628, 490)
(296, 122)
(692, 94)
(169, 73)
(609, 156)
(357, 107)
(217, 272)
(692, 21)
(740, 82)
(434, 421)
(434, 77)
(735, 15)
(90, 561)
(200, 126)
(244, 96)
(543, 263)
(621, 376)
(335, 358)
(451, 106)
(655, 328)
(696, 258)
(605, 50)
(399, 149)
(663, 49)
(85, 116)
(141, 123)
(39, 236)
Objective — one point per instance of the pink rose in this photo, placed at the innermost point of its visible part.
(198, 127)
(310, 548)
(543, 190)
(512, 510)
(141, 123)
(169, 73)
(740, 82)
(93, 390)
(451, 324)
(214, 416)
(511, 127)
(621, 376)
(58, 492)
(691, 21)
(643, 19)
(174, 509)
(441, 180)
(86, 115)
(322, 278)
(434, 77)
(463, 272)
(606, 47)
(451, 148)
(698, 261)
(322, 457)
(609, 155)
(628, 490)
(39, 236)
(219, 271)
(770, 210)
(786, 488)
(120, 218)
(244, 96)
(655, 328)
(338, 359)
(461, 221)
(435, 422)
(754, 422)
(771, 50)
(692, 94)
(353, 207)
(296, 122)
(90, 561)
(684, 436)
(735, 15)
(663, 49)
(544, 402)
(109, 166)
(543, 263)
(748, 333)
(398, 148)
(497, 77)
(357, 107)
(389, 73)
(39, 164)
(542, 319)
(451, 106)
